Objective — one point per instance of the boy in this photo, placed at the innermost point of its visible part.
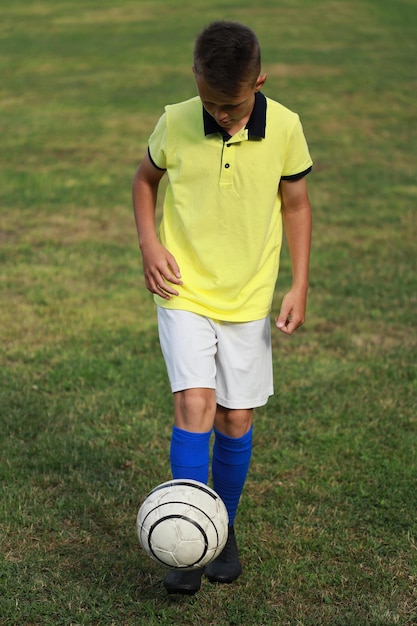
(234, 159)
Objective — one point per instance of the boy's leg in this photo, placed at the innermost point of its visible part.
(194, 411)
(244, 381)
(188, 343)
(231, 459)
(232, 453)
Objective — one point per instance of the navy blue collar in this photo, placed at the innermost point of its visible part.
(256, 124)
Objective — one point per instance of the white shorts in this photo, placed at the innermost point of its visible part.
(235, 359)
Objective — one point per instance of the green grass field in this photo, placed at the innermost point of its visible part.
(327, 523)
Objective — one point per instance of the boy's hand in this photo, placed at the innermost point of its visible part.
(160, 270)
(292, 314)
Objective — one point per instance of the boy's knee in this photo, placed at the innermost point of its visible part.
(233, 422)
(195, 409)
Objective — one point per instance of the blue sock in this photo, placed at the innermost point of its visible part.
(230, 465)
(190, 454)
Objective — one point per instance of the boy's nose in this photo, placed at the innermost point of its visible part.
(220, 114)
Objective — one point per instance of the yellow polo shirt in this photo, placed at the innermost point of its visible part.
(222, 208)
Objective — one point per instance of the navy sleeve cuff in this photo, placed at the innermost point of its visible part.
(297, 176)
(161, 169)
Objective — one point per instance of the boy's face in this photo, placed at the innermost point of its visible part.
(231, 113)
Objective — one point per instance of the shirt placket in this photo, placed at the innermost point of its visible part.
(228, 160)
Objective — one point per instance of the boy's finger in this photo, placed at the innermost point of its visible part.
(173, 265)
(283, 319)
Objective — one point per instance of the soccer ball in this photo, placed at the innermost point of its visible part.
(182, 524)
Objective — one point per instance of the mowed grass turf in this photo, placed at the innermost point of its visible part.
(327, 523)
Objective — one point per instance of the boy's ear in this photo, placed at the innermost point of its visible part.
(260, 82)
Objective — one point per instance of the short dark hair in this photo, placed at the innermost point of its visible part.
(227, 54)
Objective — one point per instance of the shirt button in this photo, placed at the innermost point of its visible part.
(227, 165)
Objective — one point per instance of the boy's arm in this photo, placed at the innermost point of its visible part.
(159, 266)
(298, 224)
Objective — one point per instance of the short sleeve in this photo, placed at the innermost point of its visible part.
(157, 143)
(298, 159)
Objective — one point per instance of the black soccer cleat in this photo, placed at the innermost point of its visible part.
(185, 582)
(227, 566)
